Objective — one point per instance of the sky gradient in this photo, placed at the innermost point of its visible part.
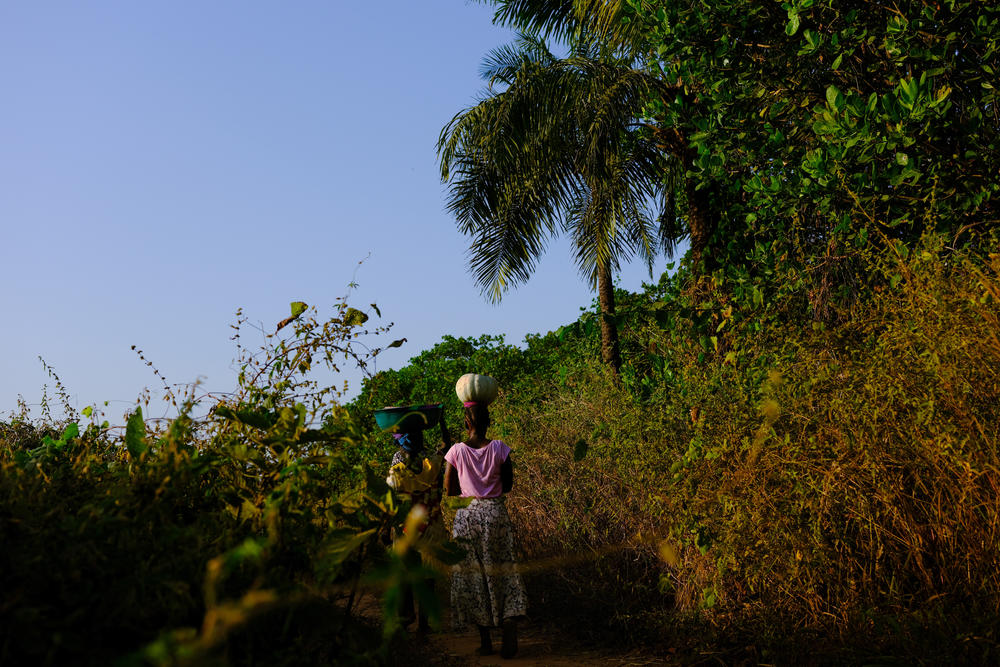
(165, 163)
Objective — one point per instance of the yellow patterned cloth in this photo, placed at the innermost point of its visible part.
(421, 482)
(405, 479)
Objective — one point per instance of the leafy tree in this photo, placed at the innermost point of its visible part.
(810, 124)
(610, 23)
(557, 146)
(430, 377)
(825, 118)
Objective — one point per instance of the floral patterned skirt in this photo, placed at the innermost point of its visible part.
(486, 588)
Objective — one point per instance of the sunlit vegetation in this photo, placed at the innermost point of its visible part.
(760, 476)
(232, 538)
(794, 457)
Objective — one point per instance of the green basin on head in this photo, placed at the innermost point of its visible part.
(409, 418)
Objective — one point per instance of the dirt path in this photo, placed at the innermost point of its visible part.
(537, 645)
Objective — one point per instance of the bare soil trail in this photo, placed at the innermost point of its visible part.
(539, 645)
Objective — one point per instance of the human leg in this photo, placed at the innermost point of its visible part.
(509, 647)
(485, 641)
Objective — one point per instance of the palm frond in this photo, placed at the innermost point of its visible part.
(557, 150)
(504, 64)
(570, 20)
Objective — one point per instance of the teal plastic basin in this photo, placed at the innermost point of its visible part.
(409, 418)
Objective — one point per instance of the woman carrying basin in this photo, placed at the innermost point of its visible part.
(486, 589)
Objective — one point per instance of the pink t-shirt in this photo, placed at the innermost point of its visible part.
(479, 469)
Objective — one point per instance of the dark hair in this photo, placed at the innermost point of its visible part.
(477, 418)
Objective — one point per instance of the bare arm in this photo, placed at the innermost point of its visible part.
(446, 441)
(451, 485)
(506, 475)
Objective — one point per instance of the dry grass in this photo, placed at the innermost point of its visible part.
(840, 480)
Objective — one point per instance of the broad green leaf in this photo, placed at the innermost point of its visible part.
(72, 430)
(793, 23)
(344, 542)
(708, 599)
(354, 317)
(135, 434)
(834, 97)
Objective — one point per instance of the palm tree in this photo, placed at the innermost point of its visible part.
(557, 146)
(606, 21)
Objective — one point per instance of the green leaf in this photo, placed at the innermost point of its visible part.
(580, 449)
(396, 343)
(836, 62)
(343, 542)
(88, 411)
(902, 159)
(708, 598)
(793, 23)
(72, 430)
(135, 434)
(834, 97)
(354, 317)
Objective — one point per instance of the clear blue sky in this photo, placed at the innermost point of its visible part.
(165, 163)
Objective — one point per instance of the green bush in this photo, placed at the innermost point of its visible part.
(240, 537)
(839, 476)
(764, 464)
(765, 471)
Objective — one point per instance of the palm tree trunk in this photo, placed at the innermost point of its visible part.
(610, 349)
(700, 224)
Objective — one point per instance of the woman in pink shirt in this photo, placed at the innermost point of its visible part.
(486, 588)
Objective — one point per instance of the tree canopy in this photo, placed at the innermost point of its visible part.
(556, 147)
(808, 121)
